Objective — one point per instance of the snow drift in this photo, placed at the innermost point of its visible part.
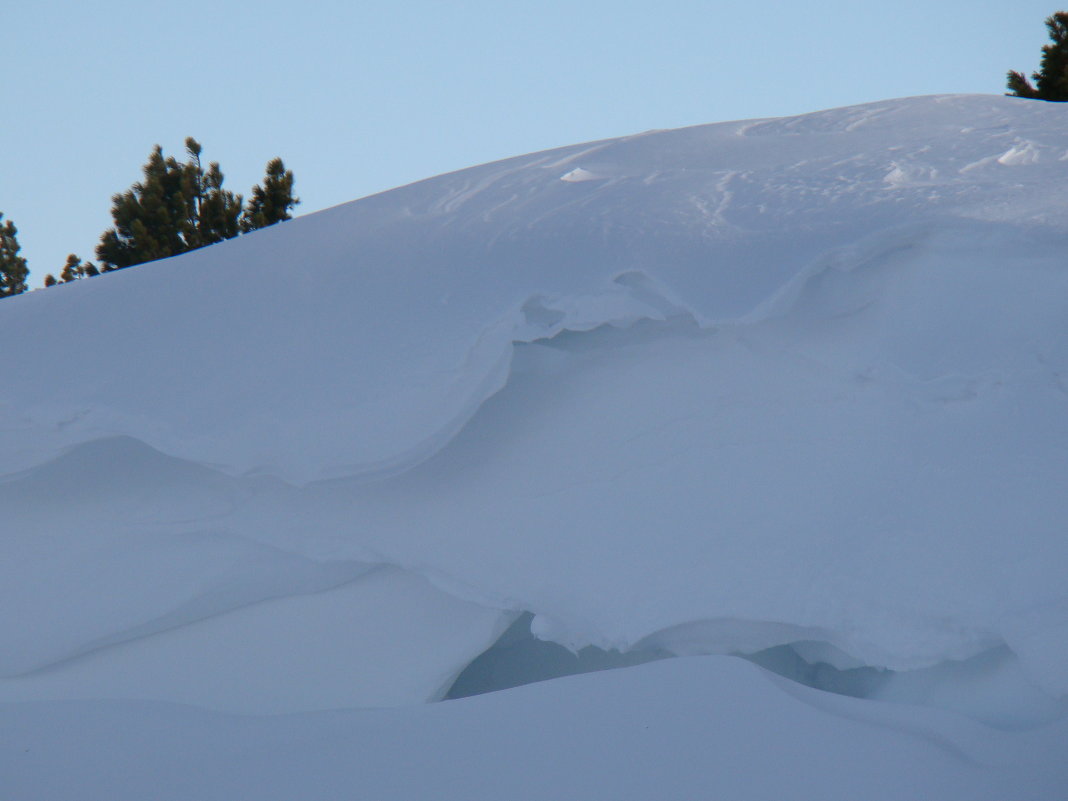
(792, 389)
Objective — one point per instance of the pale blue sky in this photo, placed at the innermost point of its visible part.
(359, 97)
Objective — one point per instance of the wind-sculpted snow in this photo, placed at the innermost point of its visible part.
(143, 581)
(795, 390)
(362, 337)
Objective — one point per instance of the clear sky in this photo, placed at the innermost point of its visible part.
(359, 97)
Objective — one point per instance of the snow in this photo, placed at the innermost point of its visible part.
(684, 208)
(790, 389)
(683, 728)
(579, 174)
(365, 643)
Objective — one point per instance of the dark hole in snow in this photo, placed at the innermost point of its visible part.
(518, 657)
(976, 687)
(859, 682)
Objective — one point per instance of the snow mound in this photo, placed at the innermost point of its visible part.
(791, 389)
(399, 317)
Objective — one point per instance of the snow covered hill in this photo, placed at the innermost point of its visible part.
(787, 398)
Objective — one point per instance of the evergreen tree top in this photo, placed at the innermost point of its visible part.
(272, 201)
(1051, 80)
(13, 269)
(175, 208)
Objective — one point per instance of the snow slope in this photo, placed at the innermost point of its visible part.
(707, 727)
(793, 389)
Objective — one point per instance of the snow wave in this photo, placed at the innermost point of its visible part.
(407, 303)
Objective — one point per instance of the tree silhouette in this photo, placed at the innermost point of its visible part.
(13, 269)
(1051, 80)
(271, 202)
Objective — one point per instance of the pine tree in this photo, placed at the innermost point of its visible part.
(13, 270)
(1051, 81)
(176, 208)
(74, 270)
(271, 202)
(149, 217)
(215, 212)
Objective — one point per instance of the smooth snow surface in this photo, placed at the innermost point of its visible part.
(708, 727)
(795, 389)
